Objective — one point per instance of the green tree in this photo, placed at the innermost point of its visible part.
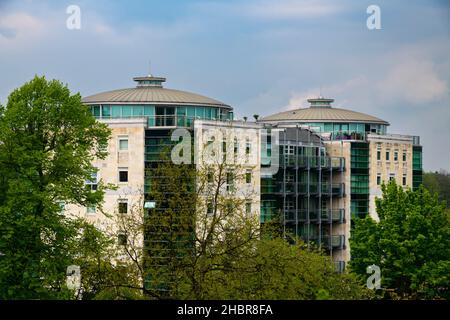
(48, 140)
(438, 182)
(202, 244)
(410, 244)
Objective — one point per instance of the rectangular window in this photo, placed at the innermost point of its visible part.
(289, 150)
(236, 146)
(230, 181)
(95, 111)
(378, 155)
(138, 111)
(92, 181)
(248, 207)
(123, 175)
(127, 111)
(122, 239)
(116, 111)
(404, 156)
(123, 143)
(248, 176)
(106, 111)
(396, 155)
(392, 176)
(387, 155)
(90, 210)
(209, 208)
(404, 180)
(123, 206)
(210, 177)
(378, 180)
(247, 146)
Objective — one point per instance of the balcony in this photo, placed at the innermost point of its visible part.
(335, 189)
(337, 215)
(324, 216)
(334, 242)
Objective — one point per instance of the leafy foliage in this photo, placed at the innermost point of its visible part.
(410, 243)
(48, 140)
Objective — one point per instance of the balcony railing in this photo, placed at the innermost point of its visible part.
(291, 160)
(304, 215)
(166, 120)
(328, 242)
(334, 189)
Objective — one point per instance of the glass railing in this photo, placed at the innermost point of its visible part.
(336, 189)
(166, 120)
(301, 215)
(291, 160)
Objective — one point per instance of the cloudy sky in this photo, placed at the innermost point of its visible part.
(260, 56)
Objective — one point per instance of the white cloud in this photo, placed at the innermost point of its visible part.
(19, 27)
(299, 99)
(290, 9)
(414, 81)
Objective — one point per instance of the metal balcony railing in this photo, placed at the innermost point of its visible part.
(304, 215)
(292, 160)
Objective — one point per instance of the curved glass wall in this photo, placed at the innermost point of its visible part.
(162, 116)
(346, 130)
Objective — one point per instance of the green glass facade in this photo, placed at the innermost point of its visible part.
(162, 116)
(359, 179)
(417, 167)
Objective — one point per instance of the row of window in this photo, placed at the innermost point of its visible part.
(391, 177)
(388, 155)
(191, 112)
(210, 208)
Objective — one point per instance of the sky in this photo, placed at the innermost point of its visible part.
(259, 56)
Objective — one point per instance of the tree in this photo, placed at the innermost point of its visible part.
(438, 182)
(201, 243)
(410, 243)
(48, 140)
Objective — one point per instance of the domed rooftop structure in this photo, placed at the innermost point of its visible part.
(320, 110)
(149, 90)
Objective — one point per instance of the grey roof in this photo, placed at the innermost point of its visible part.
(323, 115)
(154, 95)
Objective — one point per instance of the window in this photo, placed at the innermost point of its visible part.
(209, 208)
(62, 206)
(210, 177)
(90, 210)
(391, 177)
(248, 176)
(123, 206)
(378, 155)
(395, 155)
(404, 156)
(378, 180)
(248, 146)
(92, 181)
(387, 155)
(288, 149)
(404, 180)
(123, 143)
(236, 146)
(122, 239)
(248, 207)
(123, 175)
(230, 183)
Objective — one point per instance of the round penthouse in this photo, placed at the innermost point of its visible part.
(161, 106)
(339, 123)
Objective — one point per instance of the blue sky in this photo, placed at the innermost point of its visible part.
(260, 56)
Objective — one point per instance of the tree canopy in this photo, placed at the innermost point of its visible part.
(48, 141)
(410, 243)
